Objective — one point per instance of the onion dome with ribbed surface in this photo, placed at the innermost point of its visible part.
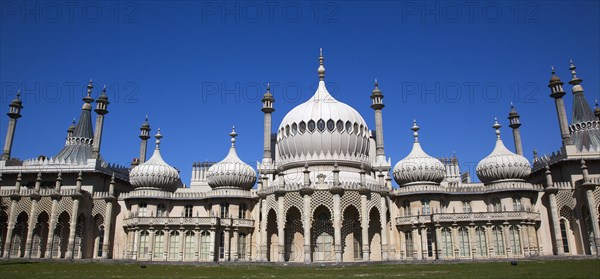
(231, 172)
(322, 128)
(502, 164)
(418, 166)
(155, 173)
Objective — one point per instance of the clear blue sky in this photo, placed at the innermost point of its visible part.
(197, 68)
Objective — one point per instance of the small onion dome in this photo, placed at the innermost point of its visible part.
(155, 173)
(418, 167)
(554, 77)
(103, 96)
(502, 164)
(231, 172)
(72, 127)
(16, 102)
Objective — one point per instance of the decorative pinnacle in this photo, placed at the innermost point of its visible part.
(19, 94)
(233, 134)
(268, 87)
(553, 71)
(497, 127)
(321, 69)
(89, 88)
(415, 129)
(112, 178)
(158, 136)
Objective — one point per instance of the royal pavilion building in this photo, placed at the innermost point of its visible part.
(322, 192)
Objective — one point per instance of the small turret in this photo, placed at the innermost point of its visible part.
(515, 123)
(14, 113)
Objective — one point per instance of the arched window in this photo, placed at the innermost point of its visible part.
(515, 240)
(161, 210)
(142, 209)
(294, 128)
(143, 251)
(205, 246)
(330, 125)
(241, 246)
(174, 245)
(425, 208)
(159, 245)
(481, 241)
(302, 127)
(498, 240)
(496, 205)
(406, 208)
(188, 246)
(466, 206)
(517, 204)
(242, 211)
(311, 126)
(463, 242)
(410, 249)
(188, 211)
(447, 246)
(564, 236)
(224, 210)
(339, 126)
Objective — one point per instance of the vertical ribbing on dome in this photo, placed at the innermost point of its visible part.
(585, 136)
(321, 69)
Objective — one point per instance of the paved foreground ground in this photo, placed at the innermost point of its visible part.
(542, 268)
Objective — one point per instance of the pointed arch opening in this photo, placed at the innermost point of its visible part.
(322, 235)
(294, 236)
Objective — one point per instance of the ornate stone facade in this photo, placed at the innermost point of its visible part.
(322, 194)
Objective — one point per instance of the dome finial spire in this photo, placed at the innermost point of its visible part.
(233, 134)
(497, 127)
(415, 129)
(321, 69)
(158, 136)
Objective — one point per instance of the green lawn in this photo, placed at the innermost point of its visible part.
(525, 269)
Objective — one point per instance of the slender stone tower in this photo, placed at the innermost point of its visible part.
(557, 92)
(101, 109)
(515, 123)
(377, 105)
(14, 113)
(267, 108)
(144, 136)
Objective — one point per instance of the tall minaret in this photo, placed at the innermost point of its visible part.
(557, 92)
(377, 105)
(513, 117)
(144, 135)
(14, 113)
(101, 109)
(267, 108)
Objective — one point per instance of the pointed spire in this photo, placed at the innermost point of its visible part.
(88, 98)
(597, 110)
(233, 134)
(415, 129)
(158, 136)
(321, 69)
(497, 126)
(575, 81)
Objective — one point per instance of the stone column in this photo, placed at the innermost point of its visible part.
(35, 197)
(424, 242)
(589, 196)
(337, 228)
(150, 243)
(263, 230)
(211, 253)
(198, 243)
(110, 199)
(72, 228)
(306, 192)
(181, 242)
(227, 244)
(384, 227)
(364, 223)
(234, 244)
(415, 239)
(524, 235)
(136, 244)
(507, 243)
(438, 240)
(53, 218)
(280, 227)
(551, 191)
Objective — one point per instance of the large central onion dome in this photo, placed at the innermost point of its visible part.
(418, 167)
(502, 164)
(322, 128)
(231, 172)
(155, 173)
